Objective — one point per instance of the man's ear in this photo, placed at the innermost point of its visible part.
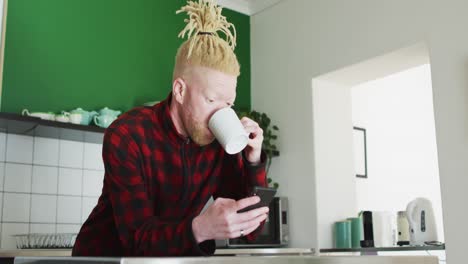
(178, 90)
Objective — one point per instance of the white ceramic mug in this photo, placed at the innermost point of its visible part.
(228, 130)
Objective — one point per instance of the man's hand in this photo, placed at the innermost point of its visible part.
(221, 220)
(253, 150)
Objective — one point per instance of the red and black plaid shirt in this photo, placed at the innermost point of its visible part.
(155, 183)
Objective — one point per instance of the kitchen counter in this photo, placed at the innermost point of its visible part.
(264, 251)
(254, 256)
(35, 253)
(219, 252)
(235, 260)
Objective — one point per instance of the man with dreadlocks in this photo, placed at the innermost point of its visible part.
(162, 163)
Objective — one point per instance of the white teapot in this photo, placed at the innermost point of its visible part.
(41, 115)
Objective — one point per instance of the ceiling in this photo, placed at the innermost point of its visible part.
(248, 7)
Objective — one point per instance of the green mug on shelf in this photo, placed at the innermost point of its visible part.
(356, 231)
(343, 234)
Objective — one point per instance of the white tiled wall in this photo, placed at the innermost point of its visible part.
(19, 148)
(46, 151)
(17, 177)
(2, 146)
(46, 185)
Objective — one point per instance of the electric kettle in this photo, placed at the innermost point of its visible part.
(421, 221)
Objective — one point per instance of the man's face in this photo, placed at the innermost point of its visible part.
(207, 91)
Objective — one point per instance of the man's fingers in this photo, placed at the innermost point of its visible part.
(253, 131)
(248, 224)
(252, 214)
(243, 203)
(243, 232)
(221, 200)
(250, 230)
(247, 121)
(234, 230)
(250, 126)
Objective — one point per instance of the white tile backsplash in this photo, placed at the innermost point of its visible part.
(2, 175)
(9, 229)
(17, 177)
(45, 179)
(46, 185)
(64, 228)
(16, 207)
(43, 208)
(69, 210)
(19, 149)
(46, 151)
(42, 228)
(92, 182)
(1, 204)
(70, 181)
(88, 205)
(2, 146)
(93, 157)
(71, 154)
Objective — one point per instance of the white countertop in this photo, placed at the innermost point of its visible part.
(235, 260)
(35, 253)
(222, 252)
(264, 251)
(280, 256)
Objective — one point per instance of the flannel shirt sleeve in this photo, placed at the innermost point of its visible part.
(141, 232)
(239, 177)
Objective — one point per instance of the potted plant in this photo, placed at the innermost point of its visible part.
(269, 138)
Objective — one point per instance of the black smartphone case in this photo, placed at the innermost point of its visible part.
(266, 196)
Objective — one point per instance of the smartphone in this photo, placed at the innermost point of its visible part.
(266, 195)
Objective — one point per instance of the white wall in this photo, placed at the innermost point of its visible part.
(332, 120)
(397, 112)
(334, 166)
(297, 40)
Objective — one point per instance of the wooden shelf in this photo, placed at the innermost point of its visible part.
(34, 126)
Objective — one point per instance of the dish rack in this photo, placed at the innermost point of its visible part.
(45, 241)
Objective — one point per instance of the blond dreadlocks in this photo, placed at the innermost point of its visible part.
(204, 46)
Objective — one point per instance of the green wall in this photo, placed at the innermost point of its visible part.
(63, 54)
